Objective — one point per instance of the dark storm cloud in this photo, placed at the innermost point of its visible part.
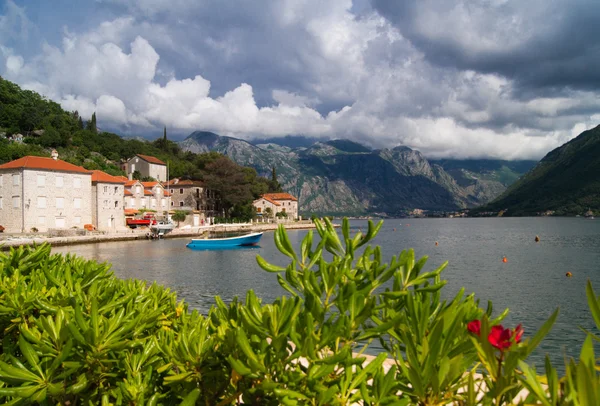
(539, 44)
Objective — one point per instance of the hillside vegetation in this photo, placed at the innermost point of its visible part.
(44, 125)
(565, 181)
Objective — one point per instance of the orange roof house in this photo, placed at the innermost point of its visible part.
(45, 193)
(103, 177)
(277, 203)
(146, 166)
(279, 196)
(38, 162)
(151, 159)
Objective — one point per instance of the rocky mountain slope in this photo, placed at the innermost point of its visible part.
(565, 181)
(344, 177)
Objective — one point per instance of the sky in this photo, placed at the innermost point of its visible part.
(507, 79)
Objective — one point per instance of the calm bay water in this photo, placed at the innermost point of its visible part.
(531, 284)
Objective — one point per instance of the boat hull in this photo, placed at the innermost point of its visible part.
(241, 241)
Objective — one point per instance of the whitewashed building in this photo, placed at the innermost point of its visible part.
(147, 166)
(278, 203)
(39, 193)
(107, 201)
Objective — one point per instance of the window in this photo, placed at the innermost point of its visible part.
(42, 220)
(180, 191)
(138, 189)
(153, 202)
(116, 189)
(59, 181)
(131, 202)
(180, 204)
(259, 209)
(41, 202)
(77, 220)
(77, 203)
(60, 202)
(172, 203)
(77, 182)
(163, 202)
(41, 180)
(116, 204)
(171, 190)
(16, 202)
(105, 189)
(16, 180)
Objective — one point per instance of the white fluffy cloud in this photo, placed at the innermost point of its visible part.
(299, 67)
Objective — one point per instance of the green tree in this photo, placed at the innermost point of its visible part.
(268, 212)
(232, 182)
(91, 125)
(137, 175)
(179, 216)
(274, 186)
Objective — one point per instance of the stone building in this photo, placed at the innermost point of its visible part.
(278, 203)
(44, 193)
(192, 195)
(147, 166)
(107, 201)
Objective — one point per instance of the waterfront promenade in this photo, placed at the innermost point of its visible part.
(14, 240)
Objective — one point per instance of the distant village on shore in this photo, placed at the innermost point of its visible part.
(38, 194)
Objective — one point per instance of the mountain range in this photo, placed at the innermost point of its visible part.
(342, 177)
(565, 182)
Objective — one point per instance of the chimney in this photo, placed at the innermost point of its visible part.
(54, 154)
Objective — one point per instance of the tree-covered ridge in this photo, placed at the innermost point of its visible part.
(565, 181)
(44, 125)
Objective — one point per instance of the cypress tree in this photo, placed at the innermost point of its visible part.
(165, 136)
(93, 127)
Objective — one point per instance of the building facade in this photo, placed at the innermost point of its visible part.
(145, 195)
(107, 201)
(277, 203)
(147, 166)
(39, 193)
(192, 195)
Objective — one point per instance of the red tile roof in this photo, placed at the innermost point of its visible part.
(103, 177)
(131, 183)
(174, 183)
(147, 193)
(167, 193)
(123, 178)
(128, 193)
(151, 159)
(130, 212)
(270, 200)
(149, 184)
(37, 162)
(279, 196)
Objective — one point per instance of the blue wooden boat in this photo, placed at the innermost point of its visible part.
(211, 243)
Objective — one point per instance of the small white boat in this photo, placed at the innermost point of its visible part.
(161, 229)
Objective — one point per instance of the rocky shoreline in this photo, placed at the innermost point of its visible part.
(16, 240)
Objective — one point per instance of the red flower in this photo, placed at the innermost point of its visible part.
(474, 327)
(502, 338)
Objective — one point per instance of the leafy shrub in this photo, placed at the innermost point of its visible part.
(75, 334)
(34, 229)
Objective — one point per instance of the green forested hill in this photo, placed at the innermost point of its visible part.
(44, 125)
(566, 181)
